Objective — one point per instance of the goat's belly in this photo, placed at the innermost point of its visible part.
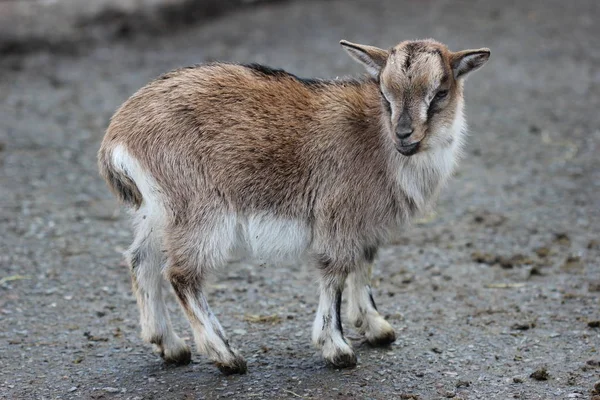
(268, 238)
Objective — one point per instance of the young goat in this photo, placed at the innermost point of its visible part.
(218, 158)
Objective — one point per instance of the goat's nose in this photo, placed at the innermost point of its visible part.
(403, 132)
(404, 128)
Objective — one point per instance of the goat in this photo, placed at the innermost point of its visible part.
(220, 158)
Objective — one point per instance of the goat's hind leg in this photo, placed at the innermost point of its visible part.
(208, 332)
(186, 269)
(146, 262)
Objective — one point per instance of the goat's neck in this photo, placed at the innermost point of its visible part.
(421, 176)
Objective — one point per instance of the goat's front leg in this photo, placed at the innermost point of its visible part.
(362, 311)
(327, 329)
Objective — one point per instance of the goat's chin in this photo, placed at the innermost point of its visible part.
(409, 150)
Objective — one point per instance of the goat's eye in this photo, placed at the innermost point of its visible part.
(441, 95)
(386, 102)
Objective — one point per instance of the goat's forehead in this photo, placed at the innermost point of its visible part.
(415, 63)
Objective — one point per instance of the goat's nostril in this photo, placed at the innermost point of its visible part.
(404, 133)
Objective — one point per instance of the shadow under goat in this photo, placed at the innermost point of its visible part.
(218, 159)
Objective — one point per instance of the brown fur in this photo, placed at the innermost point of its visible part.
(251, 141)
(223, 136)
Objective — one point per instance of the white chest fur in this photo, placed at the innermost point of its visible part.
(421, 176)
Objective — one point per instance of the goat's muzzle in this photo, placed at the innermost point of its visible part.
(408, 149)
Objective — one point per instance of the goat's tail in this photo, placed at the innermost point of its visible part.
(118, 179)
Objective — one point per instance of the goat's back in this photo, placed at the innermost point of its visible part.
(252, 138)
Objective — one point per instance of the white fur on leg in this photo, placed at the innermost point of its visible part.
(210, 337)
(145, 259)
(327, 334)
(363, 313)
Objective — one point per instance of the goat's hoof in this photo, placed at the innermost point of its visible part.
(238, 366)
(384, 338)
(177, 356)
(379, 332)
(342, 360)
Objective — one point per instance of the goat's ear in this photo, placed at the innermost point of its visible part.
(373, 58)
(466, 61)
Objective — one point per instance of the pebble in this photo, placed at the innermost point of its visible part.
(540, 375)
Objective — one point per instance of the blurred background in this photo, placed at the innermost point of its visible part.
(495, 295)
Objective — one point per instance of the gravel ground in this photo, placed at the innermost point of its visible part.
(503, 281)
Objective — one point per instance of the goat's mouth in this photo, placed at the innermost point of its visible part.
(409, 149)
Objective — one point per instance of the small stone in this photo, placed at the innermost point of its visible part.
(572, 264)
(93, 338)
(483, 258)
(594, 286)
(461, 383)
(74, 388)
(523, 326)
(409, 396)
(240, 331)
(535, 271)
(111, 389)
(517, 379)
(542, 252)
(540, 374)
(597, 387)
(562, 239)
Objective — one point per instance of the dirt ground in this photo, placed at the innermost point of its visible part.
(503, 281)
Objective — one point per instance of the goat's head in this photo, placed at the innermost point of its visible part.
(421, 87)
